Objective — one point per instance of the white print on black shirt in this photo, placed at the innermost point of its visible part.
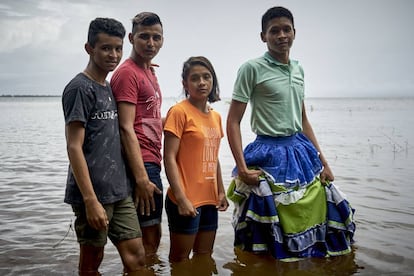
(104, 115)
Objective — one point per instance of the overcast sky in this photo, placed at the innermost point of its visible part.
(347, 48)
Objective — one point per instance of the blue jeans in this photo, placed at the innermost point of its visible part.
(154, 174)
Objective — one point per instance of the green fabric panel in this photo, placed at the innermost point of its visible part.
(309, 211)
(230, 192)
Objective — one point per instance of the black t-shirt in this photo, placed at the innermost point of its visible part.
(93, 104)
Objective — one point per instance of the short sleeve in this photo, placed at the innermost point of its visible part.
(175, 121)
(125, 85)
(244, 84)
(218, 118)
(77, 104)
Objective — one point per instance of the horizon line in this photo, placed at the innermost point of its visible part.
(310, 97)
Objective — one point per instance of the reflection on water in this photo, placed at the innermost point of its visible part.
(200, 265)
(248, 264)
(368, 142)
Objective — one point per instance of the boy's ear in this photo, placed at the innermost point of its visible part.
(88, 48)
(262, 37)
(131, 38)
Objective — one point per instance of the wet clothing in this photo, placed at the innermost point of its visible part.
(197, 159)
(155, 216)
(123, 224)
(290, 214)
(139, 86)
(92, 104)
(205, 220)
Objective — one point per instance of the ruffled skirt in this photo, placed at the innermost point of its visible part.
(290, 214)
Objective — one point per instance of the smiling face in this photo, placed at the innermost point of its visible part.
(146, 41)
(199, 83)
(107, 52)
(279, 36)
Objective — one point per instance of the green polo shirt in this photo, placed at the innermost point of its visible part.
(275, 91)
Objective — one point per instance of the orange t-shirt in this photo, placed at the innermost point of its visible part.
(200, 134)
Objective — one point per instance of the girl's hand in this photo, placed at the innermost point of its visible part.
(186, 208)
(223, 203)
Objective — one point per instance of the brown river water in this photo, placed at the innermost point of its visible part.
(368, 142)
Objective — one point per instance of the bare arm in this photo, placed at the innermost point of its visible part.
(145, 189)
(95, 213)
(223, 204)
(171, 146)
(326, 174)
(234, 118)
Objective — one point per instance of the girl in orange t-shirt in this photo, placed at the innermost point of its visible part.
(193, 131)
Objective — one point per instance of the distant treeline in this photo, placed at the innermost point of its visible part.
(27, 96)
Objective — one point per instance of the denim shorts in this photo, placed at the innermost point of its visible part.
(206, 220)
(123, 224)
(154, 174)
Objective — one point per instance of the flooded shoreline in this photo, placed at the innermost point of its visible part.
(368, 142)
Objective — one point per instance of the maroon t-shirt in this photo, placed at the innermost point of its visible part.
(139, 86)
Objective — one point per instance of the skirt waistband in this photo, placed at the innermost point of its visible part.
(279, 140)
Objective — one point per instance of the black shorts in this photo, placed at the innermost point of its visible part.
(206, 220)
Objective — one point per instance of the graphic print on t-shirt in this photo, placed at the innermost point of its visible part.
(211, 143)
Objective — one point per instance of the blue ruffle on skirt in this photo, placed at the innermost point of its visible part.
(292, 160)
(292, 167)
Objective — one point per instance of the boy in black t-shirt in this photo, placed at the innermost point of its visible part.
(97, 185)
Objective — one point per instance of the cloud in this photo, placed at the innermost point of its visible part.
(343, 46)
(34, 32)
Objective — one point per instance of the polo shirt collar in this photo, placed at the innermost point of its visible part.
(271, 59)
